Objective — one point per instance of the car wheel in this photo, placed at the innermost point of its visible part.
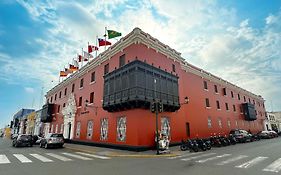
(46, 146)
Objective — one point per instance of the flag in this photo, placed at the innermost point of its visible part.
(82, 58)
(75, 63)
(103, 42)
(92, 48)
(67, 71)
(63, 74)
(72, 67)
(113, 34)
(87, 55)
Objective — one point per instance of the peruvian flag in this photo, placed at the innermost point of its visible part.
(103, 42)
(92, 48)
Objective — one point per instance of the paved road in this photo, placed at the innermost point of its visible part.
(256, 158)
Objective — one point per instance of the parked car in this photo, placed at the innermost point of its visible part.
(22, 140)
(264, 134)
(52, 140)
(273, 134)
(241, 135)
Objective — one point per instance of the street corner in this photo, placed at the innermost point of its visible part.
(81, 149)
(142, 155)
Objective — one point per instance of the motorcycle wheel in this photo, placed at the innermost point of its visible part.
(183, 147)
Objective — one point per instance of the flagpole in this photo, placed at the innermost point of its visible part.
(82, 57)
(96, 45)
(88, 52)
(105, 37)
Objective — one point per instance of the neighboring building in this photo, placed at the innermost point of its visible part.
(274, 121)
(107, 102)
(266, 123)
(38, 128)
(17, 118)
(30, 125)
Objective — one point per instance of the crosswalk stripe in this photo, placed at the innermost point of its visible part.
(213, 158)
(77, 156)
(274, 167)
(93, 155)
(22, 158)
(42, 158)
(4, 159)
(195, 157)
(184, 155)
(62, 158)
(232, 160)
(251, 162)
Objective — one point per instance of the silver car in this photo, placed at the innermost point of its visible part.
(52, 140)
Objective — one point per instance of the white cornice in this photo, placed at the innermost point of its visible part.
(137, 36)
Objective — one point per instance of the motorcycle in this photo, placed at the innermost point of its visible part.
(215, 141)
(201, 144)
(232, 139)
(189, 144)
(208, 143)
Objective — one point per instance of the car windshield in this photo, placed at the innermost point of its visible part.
(56, 135)
(25, 137)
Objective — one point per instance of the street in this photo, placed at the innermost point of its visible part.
(261, 157)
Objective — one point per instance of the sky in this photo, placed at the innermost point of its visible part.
(237, 40)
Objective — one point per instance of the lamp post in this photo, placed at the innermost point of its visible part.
(156, 114)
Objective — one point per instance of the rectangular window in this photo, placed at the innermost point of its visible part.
(92, 94)
(234, 108)
(218, 105)
(65, 91)
(232, 94)
(60, 95)
(238, 96)
(241, 109)
(78, 128)
(207, 102)
(249, 100)
(106, 68)
(216, 88)
(51, 99)
(55, 97)
(228, 123)
(224, 91)
(226, 106)
(205, 85)
(93, 76)
(80, 101)
(63, 105)
(122, 60)
(58, 109)
(89, 129)
(209, 122)
(73, 86)
(173, 68)
(244, 99)
(81, 82)
(220, 123)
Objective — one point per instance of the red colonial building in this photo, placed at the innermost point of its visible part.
(107, 102)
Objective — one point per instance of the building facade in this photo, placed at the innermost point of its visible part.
(273, 121)
(18, 122)
(38, 128)
(107, 102)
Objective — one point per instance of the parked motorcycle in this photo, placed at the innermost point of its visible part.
(232, 139)
(215, 141)
(208, 143)
(201, 144)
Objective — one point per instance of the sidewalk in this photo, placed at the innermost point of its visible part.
(174, 151)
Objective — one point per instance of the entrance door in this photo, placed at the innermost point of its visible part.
(69, 130)
(187, 129)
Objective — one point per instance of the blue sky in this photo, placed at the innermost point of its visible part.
(238, 40)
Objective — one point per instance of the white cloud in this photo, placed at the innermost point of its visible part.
(206, 34)
(29, 90)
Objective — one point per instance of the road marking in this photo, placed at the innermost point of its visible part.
(184, 155)
(42, 158)
(195, 157)
(232, 159)
(77, 156)
(212, 158)
(22, 158)
(62, 158)
(93, 155)
(4, 159)
(251, 162)
(274, 167)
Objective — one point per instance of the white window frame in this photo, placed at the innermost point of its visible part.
(90, 129)
(209, 122)
(78, 129)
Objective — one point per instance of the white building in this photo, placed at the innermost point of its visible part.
(273, 123)
(38, 124)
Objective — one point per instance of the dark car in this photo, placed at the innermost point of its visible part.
(52, 140)
(22, 140)
(241, 135)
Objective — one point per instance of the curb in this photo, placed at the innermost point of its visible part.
(114, 154)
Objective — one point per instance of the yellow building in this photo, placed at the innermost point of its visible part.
(30, 123)
(7, 132)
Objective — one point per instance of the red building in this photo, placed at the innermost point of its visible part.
(107, 101)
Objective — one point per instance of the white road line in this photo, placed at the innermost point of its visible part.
(42, 158)
(232, 160)
(274, 167)
(195, 157)
(212, 158)
(4, 159)
(77, 156)
(62, 158)
(184, 155)
(22, 158)
(93, 155)
(251, 162)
